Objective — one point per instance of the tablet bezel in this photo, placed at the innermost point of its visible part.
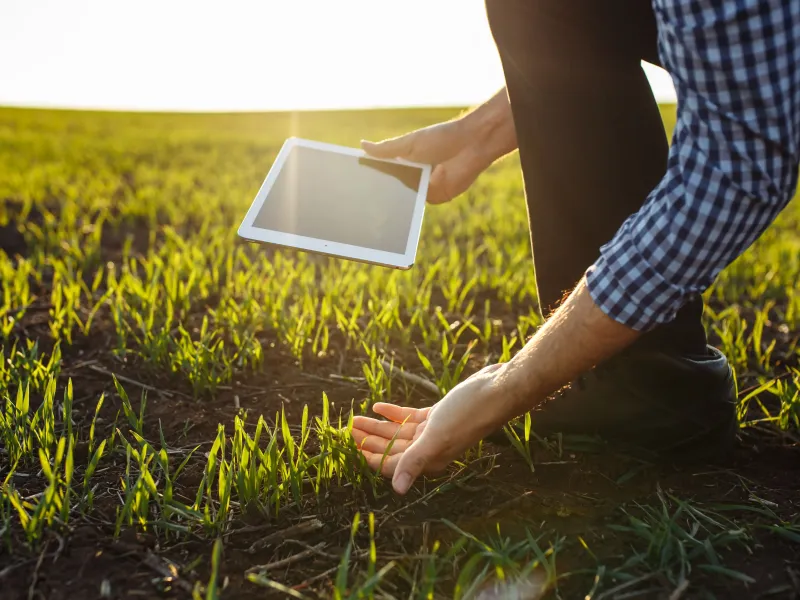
(328, 247)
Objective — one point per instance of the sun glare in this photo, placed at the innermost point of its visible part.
(248, 55)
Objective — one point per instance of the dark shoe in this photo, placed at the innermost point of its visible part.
(673, 408)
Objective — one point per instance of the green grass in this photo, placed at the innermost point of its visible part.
(125, 261)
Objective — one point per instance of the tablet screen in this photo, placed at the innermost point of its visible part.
(346, 199)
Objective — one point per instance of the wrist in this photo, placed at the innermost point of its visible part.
(481, 123)
(489, 130)
(514, 393)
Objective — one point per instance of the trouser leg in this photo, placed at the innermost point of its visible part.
(591, 140)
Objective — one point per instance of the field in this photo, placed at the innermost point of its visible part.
(174, 402)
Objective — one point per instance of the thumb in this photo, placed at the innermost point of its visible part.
(412, 463)
(453, 177)
(398, 147)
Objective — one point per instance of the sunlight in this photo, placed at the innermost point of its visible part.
(253, 55)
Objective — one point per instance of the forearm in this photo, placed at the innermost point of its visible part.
(576, 338)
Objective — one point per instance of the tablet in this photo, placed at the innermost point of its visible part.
(338, 201)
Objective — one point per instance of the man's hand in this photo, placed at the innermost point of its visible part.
(575, 339)
(459, 149)
(426, 440)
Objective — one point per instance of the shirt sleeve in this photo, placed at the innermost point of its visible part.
(733, 160)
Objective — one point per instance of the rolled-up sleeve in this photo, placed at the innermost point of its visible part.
(733, 160)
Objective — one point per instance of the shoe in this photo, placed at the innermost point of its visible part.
(665, 407)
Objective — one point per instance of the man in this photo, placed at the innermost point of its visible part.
(636, 229)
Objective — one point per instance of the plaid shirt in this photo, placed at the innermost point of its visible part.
(733, 161)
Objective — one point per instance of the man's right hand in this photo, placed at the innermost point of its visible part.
(460, 149)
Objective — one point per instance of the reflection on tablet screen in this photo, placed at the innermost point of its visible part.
(345, 199)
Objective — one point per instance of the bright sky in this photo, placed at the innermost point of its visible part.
(249, 54)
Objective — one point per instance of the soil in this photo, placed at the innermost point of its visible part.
(575, 494)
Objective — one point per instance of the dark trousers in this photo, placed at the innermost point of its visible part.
(591, 141)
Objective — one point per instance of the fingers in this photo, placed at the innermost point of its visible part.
(396, 448)
(397, 147)
(431, 145)
(412, 463)
(400, 414)
(373, 443)
(415, 456)
(453, 177)
(377, 462)
(384, 429)
(403, 452)
(456, 165)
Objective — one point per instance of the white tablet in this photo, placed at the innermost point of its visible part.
(340, 202)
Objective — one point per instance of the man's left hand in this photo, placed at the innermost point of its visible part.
(427, 440)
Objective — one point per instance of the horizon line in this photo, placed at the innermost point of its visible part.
(244, 111)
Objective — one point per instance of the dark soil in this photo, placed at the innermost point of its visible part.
(575, 494)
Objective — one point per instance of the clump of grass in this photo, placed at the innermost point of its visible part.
(451, 370)
(506, 567)
(521, 444)
(785, 390)
(17, 296)
(377, 379)
(674, 539)
(264, 478)
(345, 587)
(26, 366)
(212, 590)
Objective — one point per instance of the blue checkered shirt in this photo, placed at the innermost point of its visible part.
(733, 160)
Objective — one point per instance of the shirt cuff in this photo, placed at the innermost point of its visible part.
(626, 288)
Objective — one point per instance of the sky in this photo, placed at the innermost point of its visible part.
(196, 55)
